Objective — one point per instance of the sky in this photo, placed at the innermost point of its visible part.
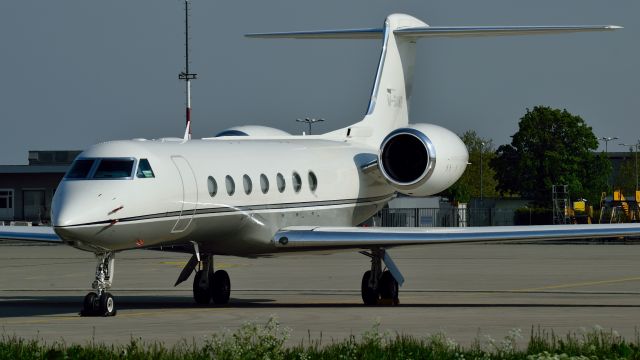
(78, 72)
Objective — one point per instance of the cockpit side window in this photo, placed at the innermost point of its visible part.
(144, 169)
(114, 169)
(80, 169)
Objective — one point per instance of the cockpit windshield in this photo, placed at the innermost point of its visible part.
(109, 168)
(80, 169)
(114, 169)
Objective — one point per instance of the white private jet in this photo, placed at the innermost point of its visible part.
(256, 191)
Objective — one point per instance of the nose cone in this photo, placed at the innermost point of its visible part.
(81, 202)
(66, 206)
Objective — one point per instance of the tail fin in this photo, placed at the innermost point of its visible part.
(388, 107)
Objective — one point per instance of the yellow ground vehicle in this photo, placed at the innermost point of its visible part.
(619, 209)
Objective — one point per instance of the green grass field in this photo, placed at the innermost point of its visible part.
(267, 341)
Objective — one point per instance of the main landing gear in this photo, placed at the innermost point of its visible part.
(380, 287)
(209, 285)
(100, 302)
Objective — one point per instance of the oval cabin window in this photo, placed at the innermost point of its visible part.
(313, 181)
(231, 185)
(212, 186)
(264, 183)
(281, 183)
(297, 181)
(248, 185)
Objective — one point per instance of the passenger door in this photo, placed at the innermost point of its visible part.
(189, 193)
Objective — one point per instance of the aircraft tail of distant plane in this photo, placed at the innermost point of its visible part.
(388, 107)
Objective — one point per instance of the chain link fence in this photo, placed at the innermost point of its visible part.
(444, 217)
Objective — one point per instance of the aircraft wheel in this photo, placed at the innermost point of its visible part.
(388, 287)
(221, 289)
(90, 304)
(369, 295)
(107, 305)
(201, 293)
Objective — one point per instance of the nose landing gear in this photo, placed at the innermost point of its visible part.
(100, 302)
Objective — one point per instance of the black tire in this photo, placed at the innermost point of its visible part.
(201, 294)
(107, 305)
(388, 287)
(221, 289)
(369, 295)
(90, 303)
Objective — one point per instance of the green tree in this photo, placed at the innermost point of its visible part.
(626, 177)
(551, 147)
(468, 185)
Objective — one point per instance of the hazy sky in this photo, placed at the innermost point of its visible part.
(79, 72)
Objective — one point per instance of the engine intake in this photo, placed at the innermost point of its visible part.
(407, 159)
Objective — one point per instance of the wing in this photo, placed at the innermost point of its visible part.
(29, 233)
(327, 238)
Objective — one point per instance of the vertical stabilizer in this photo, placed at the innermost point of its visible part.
(389, 104)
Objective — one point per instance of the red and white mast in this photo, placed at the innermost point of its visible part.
(186, 75)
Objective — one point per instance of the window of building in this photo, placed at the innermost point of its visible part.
(280, 182)
(264, 183)
(212, 186)
(6, 199)
(231, 185)
(144, 169)
(297, 181)
(248, 185)
(313, 181)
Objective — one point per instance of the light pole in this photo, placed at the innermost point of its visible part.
(309, 121)
(606, 140)
(635, 147)
(481, 168)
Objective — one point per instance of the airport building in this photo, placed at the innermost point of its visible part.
(26, 190)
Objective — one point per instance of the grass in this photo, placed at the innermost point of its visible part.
(267, 341)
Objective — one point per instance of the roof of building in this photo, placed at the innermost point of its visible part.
(33, 169)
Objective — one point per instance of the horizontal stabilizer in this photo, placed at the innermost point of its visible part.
(373, 33)
(460, 31)
(434, 31)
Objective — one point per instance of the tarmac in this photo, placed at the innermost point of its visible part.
(467, 291)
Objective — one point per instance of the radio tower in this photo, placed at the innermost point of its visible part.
(186, 75)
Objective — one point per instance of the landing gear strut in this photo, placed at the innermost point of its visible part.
(209, 285)
(379, 287)
(100, 302)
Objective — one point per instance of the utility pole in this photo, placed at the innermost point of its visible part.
(186, 75)
(309, 121)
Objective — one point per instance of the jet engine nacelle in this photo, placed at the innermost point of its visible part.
(422, 159)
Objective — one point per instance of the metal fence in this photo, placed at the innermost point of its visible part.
(443, 217)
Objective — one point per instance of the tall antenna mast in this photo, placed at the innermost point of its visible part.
(186, 75)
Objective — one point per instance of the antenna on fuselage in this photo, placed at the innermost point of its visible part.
(186, 75)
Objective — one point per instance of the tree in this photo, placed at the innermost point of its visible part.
(626, 177)
(551, 147)
(468, 185)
